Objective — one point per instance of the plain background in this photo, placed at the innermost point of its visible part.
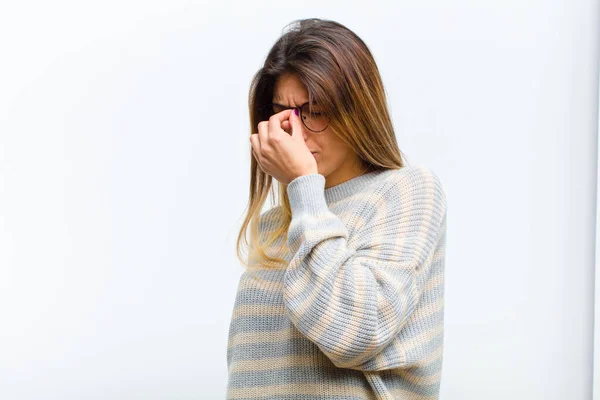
(124, 174)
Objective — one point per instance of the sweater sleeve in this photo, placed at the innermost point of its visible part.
(352, 300)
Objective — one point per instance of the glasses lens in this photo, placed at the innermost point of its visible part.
(314, 118)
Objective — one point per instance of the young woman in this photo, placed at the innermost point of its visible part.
(343, 295)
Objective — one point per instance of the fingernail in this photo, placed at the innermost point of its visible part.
(296, 111)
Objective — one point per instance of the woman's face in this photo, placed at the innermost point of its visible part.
(335, 160)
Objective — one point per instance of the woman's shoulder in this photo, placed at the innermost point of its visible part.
(410, 173)
(407, 175)
(411, 181)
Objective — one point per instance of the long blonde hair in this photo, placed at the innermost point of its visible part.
(340, 74)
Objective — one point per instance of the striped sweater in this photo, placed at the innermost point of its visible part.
(358, 313)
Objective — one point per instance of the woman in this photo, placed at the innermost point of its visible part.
(343, 294)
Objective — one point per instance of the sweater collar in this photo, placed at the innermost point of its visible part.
(352, 185)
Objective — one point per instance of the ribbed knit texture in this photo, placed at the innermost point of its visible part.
(358, 313)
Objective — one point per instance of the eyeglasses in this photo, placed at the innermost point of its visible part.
(315, 121)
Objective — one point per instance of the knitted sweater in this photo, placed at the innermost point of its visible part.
(358, 313)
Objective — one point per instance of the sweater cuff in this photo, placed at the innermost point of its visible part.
(306, 194)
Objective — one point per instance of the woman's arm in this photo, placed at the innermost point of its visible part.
(352, 301)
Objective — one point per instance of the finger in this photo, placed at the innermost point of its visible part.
(263, 137)
(296, 126)
(287, 126)
(276, 120)
(255, 142)
(280, 117)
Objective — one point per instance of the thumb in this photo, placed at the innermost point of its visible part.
(296, 125)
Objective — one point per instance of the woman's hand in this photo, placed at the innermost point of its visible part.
(280, 155)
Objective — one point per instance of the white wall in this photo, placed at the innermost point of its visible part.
(124, 169)
(597, 270)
